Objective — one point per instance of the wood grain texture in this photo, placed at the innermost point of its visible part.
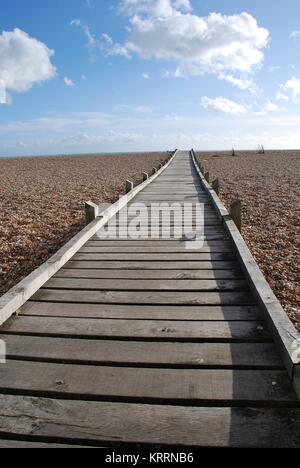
(143, 354)
(192, 386)
(144, 297)
(142, 329)
(146, 285)
(147, 312)
(148, 265)
(161, 275)
(120, 424)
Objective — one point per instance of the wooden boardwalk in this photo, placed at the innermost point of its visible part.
(147, 342)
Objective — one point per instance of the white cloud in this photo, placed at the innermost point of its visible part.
(145, 76)
(3, 97)
(137, 109)
(280, 96)
(107, 38)
(158, 7)
(295, 34)
(68, 82)
(223, 105)
(273, 68)
(96, 44)
(292, 89)
(165, 29)
(271, 107)
(242, 83)
(24, 61)
(93, 43)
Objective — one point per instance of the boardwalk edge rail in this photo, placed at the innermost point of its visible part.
(15, 298)
(286, 337)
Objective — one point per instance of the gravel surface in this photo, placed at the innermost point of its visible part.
(269, 187)
(42, 203)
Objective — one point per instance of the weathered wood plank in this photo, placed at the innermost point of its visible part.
(147, 312)
(149, 244)
(121, 423)
(222, 247)
(21, 444)
(133, 329)
(144, 297)
(146, 285)
(172, 265)
(208, 237)
(150, 274)
(92, 247)
(143, 354)
(195, 386)
(175, 257)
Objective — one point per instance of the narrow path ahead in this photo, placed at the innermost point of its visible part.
(147, 342)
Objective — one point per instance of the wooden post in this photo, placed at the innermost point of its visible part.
(207, 176)
(236, 213)
(216, 186)
(91, 212)
(145, 176)
(129, 186)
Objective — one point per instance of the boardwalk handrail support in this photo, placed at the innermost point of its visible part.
(91, 212)
(15, 298)
(129, 186)
(285, 335)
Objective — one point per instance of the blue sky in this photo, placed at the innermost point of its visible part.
(80, 76)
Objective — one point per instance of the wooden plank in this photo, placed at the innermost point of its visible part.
(21, 444)
(155, 425)
(172, 243)
(147, 312)
(193, 386)
(138, 329)
(143, 354)
(144, 297)
(91, 247)
(170, 257)
(150, 274)
(147, 224)
(133, 246)
(208, 237)
(183, 265)
(146, 285)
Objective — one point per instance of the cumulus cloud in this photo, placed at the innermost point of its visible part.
(223, 105)
(24, 60)
(167, 29)
(290, 90)
(280, 96)
(295, 34)
(68, 82)
(242, 83)
(271, 107)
